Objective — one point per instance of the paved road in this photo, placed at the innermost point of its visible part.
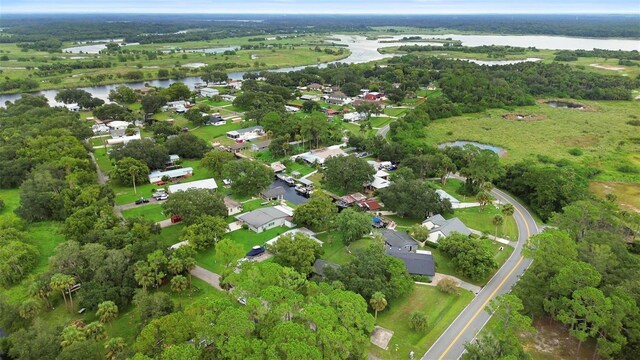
(450, 345)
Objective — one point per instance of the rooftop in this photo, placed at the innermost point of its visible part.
(262, 216)
(397, 239)
(416, 263)
(272, 193)
(446, 227)
(209, 184)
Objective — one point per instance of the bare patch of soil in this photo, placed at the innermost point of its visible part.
(552, 341)
(523, 117)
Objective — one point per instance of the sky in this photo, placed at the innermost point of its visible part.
(322, 6)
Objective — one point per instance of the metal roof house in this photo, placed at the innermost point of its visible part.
(209, 184)
(263, 219)
(277, 193)
(399, 240)
(417, 263)
(157, 176)
(246, 134)
(302, 230)
(440, 227)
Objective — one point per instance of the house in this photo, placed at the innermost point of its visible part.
(260, 146)
(354, 117)
(321, 155)
(398, 240)
(302, 230)
(278, 167)
(100, 129)
(379, 183)
(209, 184)
(309, 98)
(337, 98)
(440, 227)
(315, 87)
(246, 134)
(320, 265)
(173, 159)
(369, 205)
(263, 219)
(277, 193)
(72, 107)
(118, 125)
(331, 112)
(373, 96)
(156, 176)
(445, 195)
(179, 106)
(123, 139)
(237, 147)
(228, 97)
(291, 109)
(216, 120)
(233, 207)
(419, 262)
(209, 92)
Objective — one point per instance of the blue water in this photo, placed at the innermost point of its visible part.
(496, 149)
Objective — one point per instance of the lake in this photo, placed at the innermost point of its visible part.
(459, 143)
(363, 50)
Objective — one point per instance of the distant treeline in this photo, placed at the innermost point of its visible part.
(170, 28)
(492, 50)
(569, 55)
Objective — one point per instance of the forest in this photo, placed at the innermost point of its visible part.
(158, 28)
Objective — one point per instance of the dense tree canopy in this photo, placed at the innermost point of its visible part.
(248, 177)
(413, 198)
(194, 203)
(348, 173)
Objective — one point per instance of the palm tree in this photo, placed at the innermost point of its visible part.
(107, 311)
(143, 274)
(483, 198)
(497, 221)
(175, 266)
(189, 264)
(71, 335)
(30, 308)
(63, 282)
(156, 261)
(179, 283)
(508, 210)
(95, 330)
(41, 290)
(378, 302)
(114, 347)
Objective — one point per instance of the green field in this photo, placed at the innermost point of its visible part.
(153, 212)
(294, 51)
(481, 220)
(336, 252)
(441, 310)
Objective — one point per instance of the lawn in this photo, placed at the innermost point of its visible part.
(445, 266)
(210, 132)
(336, 252)
(452, 187)
(481, 219)
(170, 235)
(627, 193)
(244, 237)
(378, 122)
(153, 212)
(603, 135)
(441, 310)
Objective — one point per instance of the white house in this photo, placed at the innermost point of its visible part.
(123, 139)
(233, 207)
(209, 92)
(157, 176)
(303, 230)
(246, 134)
(179, 106)
(263, 219)
(440, 227)
(445, 195)
(354, 117)
(321, 155)
(209, 184)
(337, 98)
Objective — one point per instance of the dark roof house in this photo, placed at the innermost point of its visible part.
(320, 265)
(398, 239)
(277, 193)
(417, 263)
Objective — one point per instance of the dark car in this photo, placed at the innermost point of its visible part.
(142, 201)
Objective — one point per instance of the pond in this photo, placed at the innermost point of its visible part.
(565, 105)
(459, 143)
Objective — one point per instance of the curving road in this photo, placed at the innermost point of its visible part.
(450, 345)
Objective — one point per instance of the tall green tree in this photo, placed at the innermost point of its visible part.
(347, 173)
(215, 161)
(378, 302)
(248, 177)
(352, 225)
(297, 251)
(318, 214)
(205, 232)
(107, 311)
(129, 171)
(192, 204)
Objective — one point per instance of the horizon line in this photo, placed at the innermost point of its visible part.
(322, 13)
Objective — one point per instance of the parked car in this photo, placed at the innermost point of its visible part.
(162, 197)
(142, 201)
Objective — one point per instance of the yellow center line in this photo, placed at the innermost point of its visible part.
(446, 351)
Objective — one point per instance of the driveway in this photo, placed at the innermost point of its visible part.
(450, 345)
(207, 276)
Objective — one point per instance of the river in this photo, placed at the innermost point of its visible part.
(363, 50)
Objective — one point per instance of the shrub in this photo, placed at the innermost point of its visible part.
(634, 122)
(418, 321)
(448, 286)
(575, 152)
(628, 169)
(1, 204)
